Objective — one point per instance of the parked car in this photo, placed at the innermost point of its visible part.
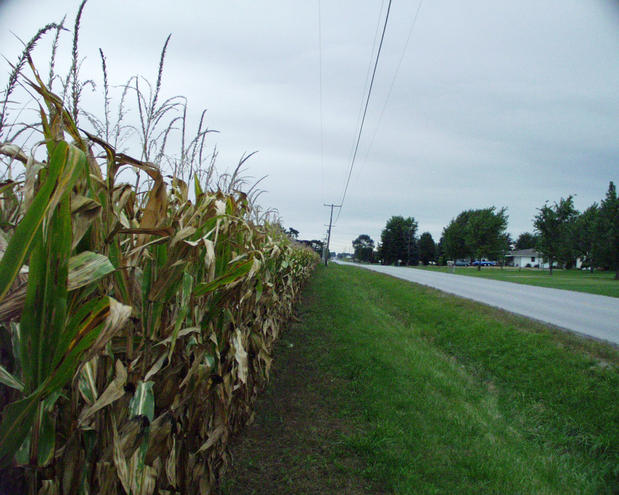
(484, 263)
(462, 263)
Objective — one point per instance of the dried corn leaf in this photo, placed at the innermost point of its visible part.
(122, 470)
(143, 401)
(87, 382)
(213, 437)
(240, 355)
(113, 392)
(170, 465)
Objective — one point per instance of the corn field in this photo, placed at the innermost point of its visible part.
(136, 321)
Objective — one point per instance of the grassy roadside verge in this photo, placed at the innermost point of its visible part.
(441, 395)
(602, 283)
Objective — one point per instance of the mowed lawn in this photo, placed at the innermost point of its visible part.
(602, 283)
(444, 395)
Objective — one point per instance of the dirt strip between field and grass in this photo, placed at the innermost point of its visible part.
(588, 314)
(295, 444)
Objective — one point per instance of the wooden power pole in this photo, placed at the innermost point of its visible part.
(326, 252)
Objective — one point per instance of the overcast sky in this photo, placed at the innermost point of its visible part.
(495, 102)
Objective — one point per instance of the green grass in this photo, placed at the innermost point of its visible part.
(456, 397)
(602, 283)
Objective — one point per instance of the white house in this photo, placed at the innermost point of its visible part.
(532, 258)
(528, 258)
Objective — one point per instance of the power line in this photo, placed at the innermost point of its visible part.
(367, 101)
(369, 71)
(395, 75)
(359, 117)
(322, 139)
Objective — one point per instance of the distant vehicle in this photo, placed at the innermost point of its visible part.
(484, 263)
(462, 263)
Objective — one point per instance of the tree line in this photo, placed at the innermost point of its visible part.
(561, 234)
(564, 233)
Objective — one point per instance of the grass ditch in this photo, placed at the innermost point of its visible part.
(444, 395)
(601, 283)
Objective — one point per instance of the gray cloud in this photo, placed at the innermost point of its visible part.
(496, 103)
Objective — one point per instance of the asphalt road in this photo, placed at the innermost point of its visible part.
(587, 314)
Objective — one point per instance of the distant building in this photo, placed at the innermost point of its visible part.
(527, 258)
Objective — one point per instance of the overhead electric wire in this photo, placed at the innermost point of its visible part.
(395, 75)
(369, 71)
(367, 101)
(322, 134)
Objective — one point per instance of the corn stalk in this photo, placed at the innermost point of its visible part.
(136, 330)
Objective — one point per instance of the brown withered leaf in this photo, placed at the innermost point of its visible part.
(117, 317)
(122, 470)
(114, 391)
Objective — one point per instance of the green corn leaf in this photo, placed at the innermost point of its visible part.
(259, 289)
(9, 380)
(155, 318)
(233, 275)
(88, 317)
(90, 330)
(67, 367)
(22, 456)
(120, 276)
(147, 278)
(47, 439)
(197, 187)
(86, 268)
(143, 401)
(64, 163)
(166, 284)
(7, 185)
(46, 435)
(43, 316)
(17, 420)
(184, 309)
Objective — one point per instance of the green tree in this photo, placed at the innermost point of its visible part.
(506, 244)
(526, 240)
(364, 248)
(441, 256)
(607, 230)
(554, 226)
(427, 248)
(314, 244)
(453, 239)
(484, 234)
(476, 233)
(586, 235)
(398, 241)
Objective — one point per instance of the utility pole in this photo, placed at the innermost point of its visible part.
(326, 252)
(408, 246)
